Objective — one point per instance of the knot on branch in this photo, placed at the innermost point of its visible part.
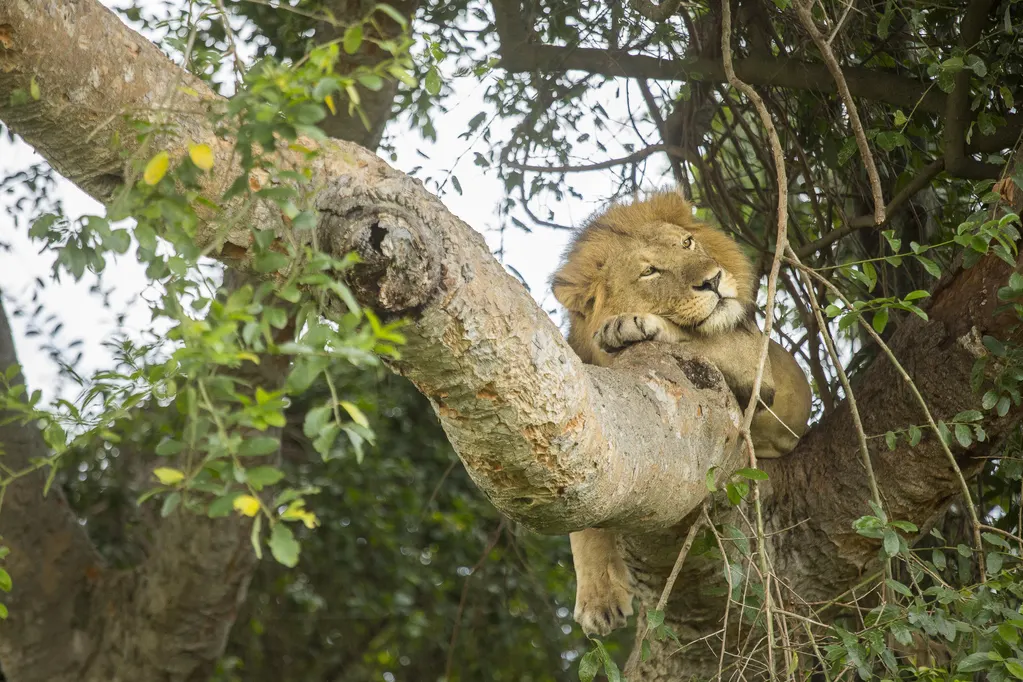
(399, 263)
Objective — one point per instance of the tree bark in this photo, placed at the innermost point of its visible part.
(554, 444)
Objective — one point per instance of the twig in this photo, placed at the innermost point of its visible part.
(914, 186)
(772, 283)
(637, 650)
(967, 496)
(804, 12)
(919, 182)
(861, 435)
(728, 579)
(635, 157)
(841, 20)
(465, 593)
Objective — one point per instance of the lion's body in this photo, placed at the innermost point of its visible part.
(651, 271)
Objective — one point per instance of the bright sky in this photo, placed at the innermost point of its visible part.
(533, 255)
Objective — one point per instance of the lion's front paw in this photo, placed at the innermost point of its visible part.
(602, 607)
(624, 330)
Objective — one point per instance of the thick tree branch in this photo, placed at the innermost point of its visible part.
(957, 106)
(481, 349)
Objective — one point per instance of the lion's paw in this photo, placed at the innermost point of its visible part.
(623, 330)
(603, 605)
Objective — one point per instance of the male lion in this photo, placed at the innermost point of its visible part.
(650, 271)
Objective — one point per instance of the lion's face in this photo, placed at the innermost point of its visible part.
(671, 273)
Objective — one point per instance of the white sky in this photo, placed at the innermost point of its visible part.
(533, 255)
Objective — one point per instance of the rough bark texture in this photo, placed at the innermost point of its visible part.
(556, 445)
(54, 578)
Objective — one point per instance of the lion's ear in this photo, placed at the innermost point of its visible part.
(575, 293)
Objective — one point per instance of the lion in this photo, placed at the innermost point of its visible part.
(650, 271)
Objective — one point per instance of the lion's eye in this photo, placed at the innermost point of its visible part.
(649, 271)
(688, 243)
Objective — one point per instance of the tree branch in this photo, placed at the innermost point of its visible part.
(762, 70)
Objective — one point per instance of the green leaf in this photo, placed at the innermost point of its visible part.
(990, 400)
(898, 587)
(752, 474)
(977, 65)
(260, 477)
(995, 540)
(589, 666)
(710, 479)
(938, 559)
(355, 413)
(975, 662)
(118, 241)
(915, 434)
(270, 261)
(283, 545)
(5, 581)
(222, 506)
(3, 612)
(733, 494)
(916, 295)
(930, 266)
(170, 503)
(1014, 667)
(1009, 633)
(259, 446)
(353, 39)
(1002, 408)
(736, 536)
(654, 618)
(880, 320)
(963, 435)
(432, 81)
(257, 546)
(994, 345)
(891, 542)
(168, 446)
(905, 526)
(889, 439)
(993, 560)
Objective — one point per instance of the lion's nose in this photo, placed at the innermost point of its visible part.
(710, 284)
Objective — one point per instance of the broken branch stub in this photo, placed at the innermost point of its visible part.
(399, 260)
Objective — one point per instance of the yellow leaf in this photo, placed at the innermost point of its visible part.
(355, 413)
(297, 512)
(246, 504)
(156, 168)
(201, 155)
(33, 89)
(168, 476)
(329, 101)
